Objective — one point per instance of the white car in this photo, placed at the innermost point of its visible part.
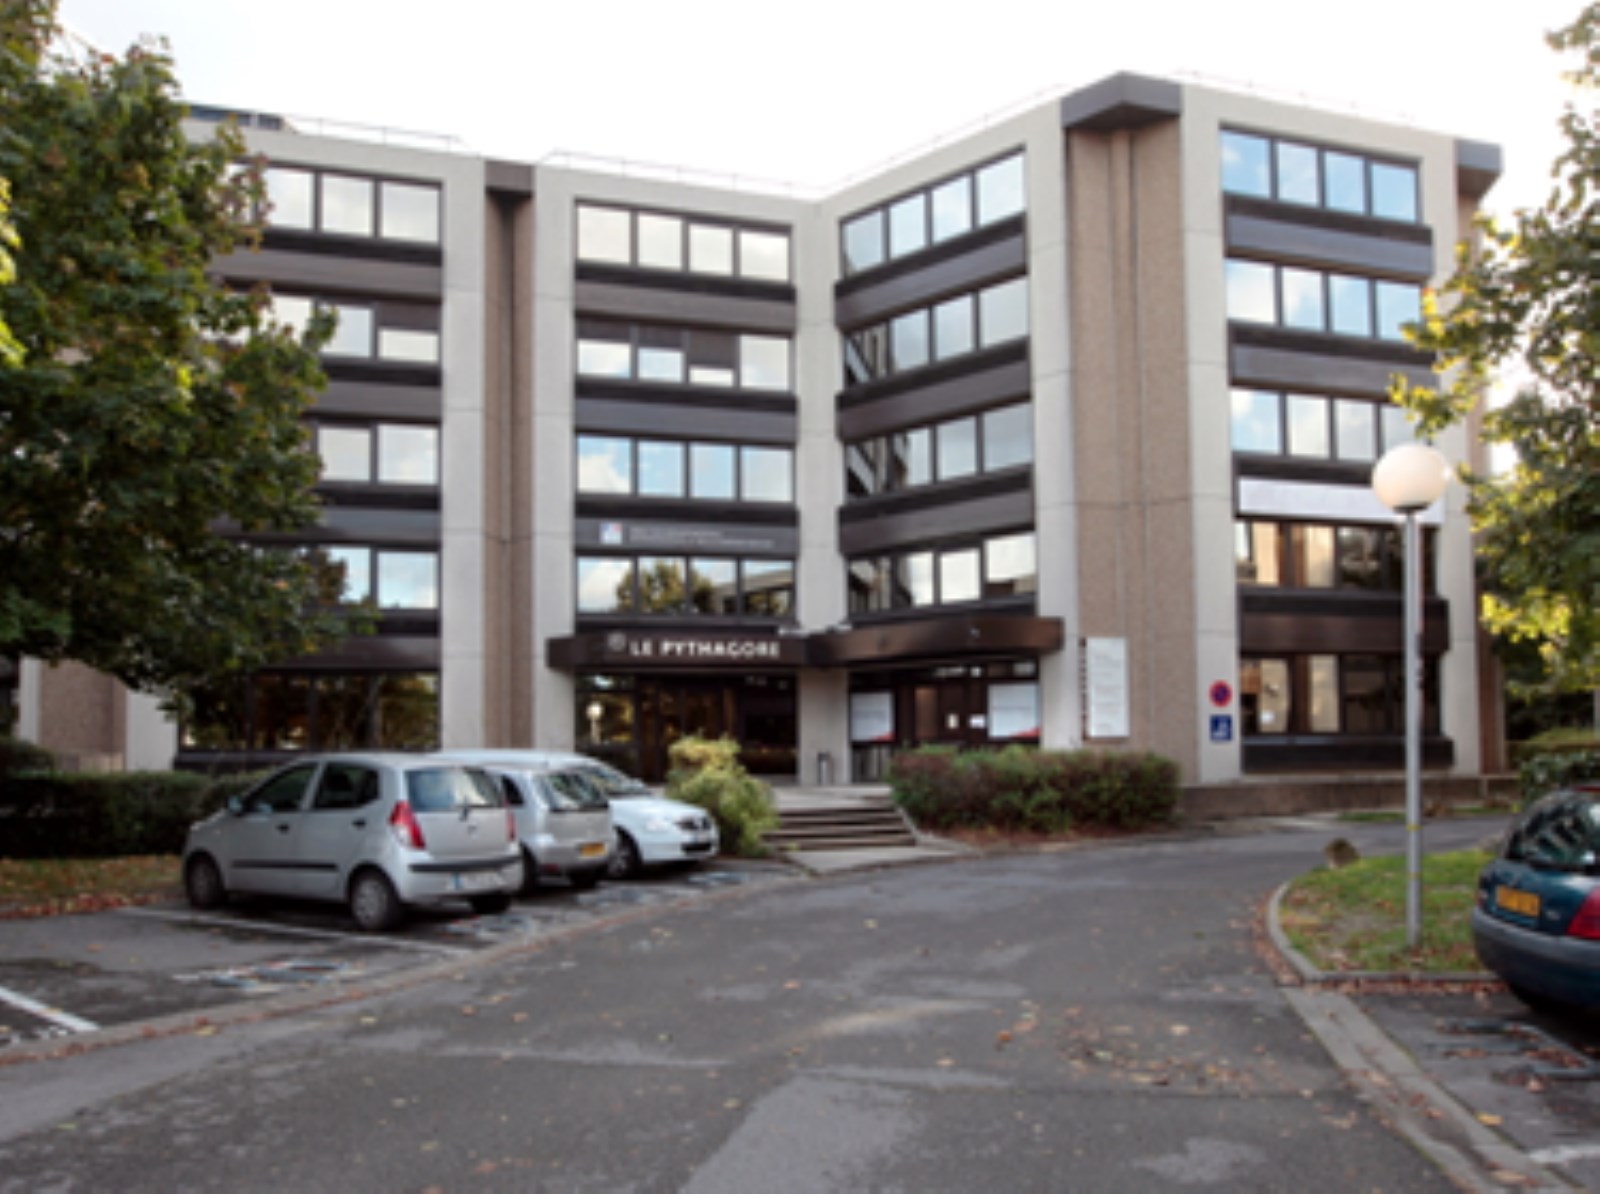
(563, 820)
(651, 830)
(374, 831)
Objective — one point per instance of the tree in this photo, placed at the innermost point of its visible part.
(1524, 306)
(151, 406)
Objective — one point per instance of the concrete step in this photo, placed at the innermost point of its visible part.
(863, 824)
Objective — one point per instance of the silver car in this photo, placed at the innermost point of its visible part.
(563, 822)
(374, 831)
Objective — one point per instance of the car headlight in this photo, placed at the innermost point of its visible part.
(658, 824)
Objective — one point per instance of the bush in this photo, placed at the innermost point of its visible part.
(90, 815)
(1027, 791)
(707, 773)
(18, 755)
(1557, 768)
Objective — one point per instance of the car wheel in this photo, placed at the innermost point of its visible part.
(583, 880)
(530, 872)
(625, 863)
(492, 904)
(202, 881)
(373, 902)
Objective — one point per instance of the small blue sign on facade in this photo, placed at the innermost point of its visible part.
(1222, 727)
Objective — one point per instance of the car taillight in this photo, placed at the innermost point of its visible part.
(1586, 923)
(403, 824)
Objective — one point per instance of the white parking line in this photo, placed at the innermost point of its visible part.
(53, 1014)
(224, 922)
(1563, 1153)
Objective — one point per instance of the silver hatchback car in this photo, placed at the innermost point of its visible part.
(375, 831)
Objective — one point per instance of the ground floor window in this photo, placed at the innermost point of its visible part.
(1331, 694)
(631, 720)
(294, 711)
(963, 705)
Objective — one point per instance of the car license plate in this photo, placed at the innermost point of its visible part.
(591, 849)
(473, 880)
(1523, 903)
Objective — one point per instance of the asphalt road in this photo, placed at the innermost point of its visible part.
(1092, 1020)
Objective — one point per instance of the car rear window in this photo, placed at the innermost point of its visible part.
(1563, 835)
(445, 789)
(570, 791)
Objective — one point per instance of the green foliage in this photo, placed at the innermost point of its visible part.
(1557, 767)
(1520, 305)
(707, 773)
(18, 755)
(150, 402)
(87, 815)
(1028, 791)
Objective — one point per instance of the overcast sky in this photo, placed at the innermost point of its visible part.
(813, 94)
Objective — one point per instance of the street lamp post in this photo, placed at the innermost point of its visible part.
(1409, 479)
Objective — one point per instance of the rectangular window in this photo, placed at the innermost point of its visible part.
(710, 249)
(409, 212)
(958, 448)
(353, 336)
(1357, 426)
(763, 256)
(958, 576)
(1351, 304)
(914, 579)
(769, 588)
(766, 475)
(953, 330)
(346, 453)
(357, 565)
(864, 242)
(869, 586)
(951, 208)
(663, 584)
(714, 586)
(347, 205)
(661, 364)
(1313, 550)
(1345, 176)
(401, 344)
(1257, 421)
(1255, 554)
(1302, 299)
(1003, 312)
(1394, 192)
(660, 469)
(1323, 702)
(908, 338)
(1010, 566)
(605, 235)
(408, 455)
(1297, 174)
(1246, 165)
(1000, 190)
(605, 464)
(911, 459)
(291, 197)
(764, 363)
(1008, 437)
(1308, 426)
(908, 225)
(605, 586)
(607, 357)
(1398, 303)
(1265, 696)
(711, 471)
(660, 241)
(1252, 292)
(408, 580)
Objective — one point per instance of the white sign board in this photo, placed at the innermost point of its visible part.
(872, 717)
(1013, 712)
(1105, 682)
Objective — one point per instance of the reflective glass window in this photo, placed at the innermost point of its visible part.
(764, 256)
(408, 580)
(1255, 553)
(714, 586)
(346, 205)
(1361, 557)
(769, 588)
(1000, 190)
(911, 458)
(292, 311)
(403, 344)
(604, 586)
(908, 225)
(1010, 565)
(1356, 425)
(914, 579)
(660, 241)
(1366, 696)
(346, 453)
(764, 362)
(1351, 302)
(1003, 312)
(1257, 421)
(1394, 192)
(408, 455)
(863, 242)
(1308, 426)
(1323, 698)
(605, 464)
(605, 234)
(710, 249)
(663, 584)
(409, 212)
(1008, 437)
(908, 339)
(959, 576)
(1246, 165)
(1398, 303)
(357, 565)
(291, 196)
(1252, 294)
(353, 336)
(1266, 696)
(661, 364)
(951, 208)
(1297, 173)
(1397, 428)
(870, 587)
(1302, 299)
(711, 375)
(958, 448)
(1313, 547)
(953, 330)
(766, 475)
(1345, 180)
(660, 469)
(605, 358)
(711, 471)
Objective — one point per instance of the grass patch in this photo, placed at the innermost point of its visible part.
(1395, 816)
(1354, 918)
(47, 886)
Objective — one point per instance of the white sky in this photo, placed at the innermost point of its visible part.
(815, 93)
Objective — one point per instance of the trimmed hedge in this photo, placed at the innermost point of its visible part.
(96, 815)
(707, 773)
(1033, 791)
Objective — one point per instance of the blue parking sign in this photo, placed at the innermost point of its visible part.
(1222, 727)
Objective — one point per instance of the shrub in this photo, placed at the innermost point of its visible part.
(18, 755)
(91, 815)
(1028, 791)
(707, 773)
(1557, 768)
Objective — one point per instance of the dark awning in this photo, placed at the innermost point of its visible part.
(927, 640)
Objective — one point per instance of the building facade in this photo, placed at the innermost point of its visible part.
(1059, 434)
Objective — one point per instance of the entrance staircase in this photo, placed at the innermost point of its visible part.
(819, 819)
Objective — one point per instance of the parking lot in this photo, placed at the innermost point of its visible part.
(65, 976)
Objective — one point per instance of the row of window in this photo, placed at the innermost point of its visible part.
(681, 356)
(972, 199)
(1331, 694)
(360, 332)
(388, 453)
(657, 240)
(1336, 179)
(958, 326)
(1315, 426)
(1002, 566)
(673, 469)
(955, 448)
(1301, 555)
(304, 711)
(718, 586)
(349, 205)
(1318, 301)
(391, 578)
